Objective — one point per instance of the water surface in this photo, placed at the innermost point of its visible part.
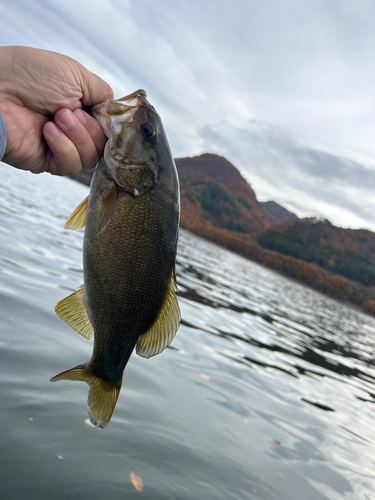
(267, 391)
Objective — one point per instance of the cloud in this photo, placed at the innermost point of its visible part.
(286, 169)
(284, 90)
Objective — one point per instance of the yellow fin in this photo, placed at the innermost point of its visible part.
(107, 208)
(77, 219)
(73, 311)
(164, 328)
(102, 396)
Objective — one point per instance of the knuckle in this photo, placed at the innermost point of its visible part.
(70, 159)
(80, 139)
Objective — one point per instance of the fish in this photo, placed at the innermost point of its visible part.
(131, 218)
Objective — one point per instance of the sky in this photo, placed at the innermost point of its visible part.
(284, 89)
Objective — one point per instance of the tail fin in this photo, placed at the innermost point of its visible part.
(102, 396)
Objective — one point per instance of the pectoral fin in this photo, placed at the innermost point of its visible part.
(73, 311)
(77, 219)
(164, 328)
(107, 206)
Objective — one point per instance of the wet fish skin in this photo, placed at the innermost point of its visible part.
(129, 250)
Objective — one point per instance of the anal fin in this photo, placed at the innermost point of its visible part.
(164, 328)
(73, 311)
(77, 219)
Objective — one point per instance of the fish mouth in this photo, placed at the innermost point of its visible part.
(128, 164)
(118, 111)
(137, 94)
(131, 165)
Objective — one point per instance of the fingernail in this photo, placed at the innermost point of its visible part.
(80, 115)
(51, 129)
(67, 119)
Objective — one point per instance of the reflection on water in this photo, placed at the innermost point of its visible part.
(266, 392)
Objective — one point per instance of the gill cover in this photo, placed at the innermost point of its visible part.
(131, 127)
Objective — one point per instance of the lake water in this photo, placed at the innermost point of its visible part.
(267, 391)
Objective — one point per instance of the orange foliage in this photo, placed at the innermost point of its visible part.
(369, 306)
(205, 170)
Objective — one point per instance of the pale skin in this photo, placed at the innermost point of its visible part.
(41, 99)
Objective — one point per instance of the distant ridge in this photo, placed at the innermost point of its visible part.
(349, 252)
(84, 176)
(276, 213)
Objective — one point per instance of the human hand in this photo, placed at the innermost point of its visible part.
(38, 86)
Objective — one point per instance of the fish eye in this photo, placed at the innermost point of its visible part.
(148, 130)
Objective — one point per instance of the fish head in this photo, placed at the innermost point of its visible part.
(132, 126)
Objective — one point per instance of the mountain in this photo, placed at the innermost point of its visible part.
(214, 193)
(276, 213)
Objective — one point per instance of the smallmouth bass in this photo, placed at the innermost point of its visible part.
(131, 220)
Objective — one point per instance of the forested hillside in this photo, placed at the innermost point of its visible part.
(348, 252)
(214, 193)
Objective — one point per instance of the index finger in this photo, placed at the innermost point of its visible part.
(94, 128)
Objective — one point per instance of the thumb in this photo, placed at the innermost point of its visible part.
(94, 89)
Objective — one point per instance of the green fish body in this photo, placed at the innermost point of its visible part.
(131, 222)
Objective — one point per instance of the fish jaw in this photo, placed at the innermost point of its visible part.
(114, 113)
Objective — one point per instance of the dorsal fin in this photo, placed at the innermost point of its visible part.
(163, 329)
(73, 311)
(77, 219)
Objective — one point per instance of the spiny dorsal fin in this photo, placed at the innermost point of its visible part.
(102, 396)
(77, 219)
(164, 328)
(73, 311)
(107, 208)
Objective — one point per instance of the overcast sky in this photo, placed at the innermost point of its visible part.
(284, 89)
